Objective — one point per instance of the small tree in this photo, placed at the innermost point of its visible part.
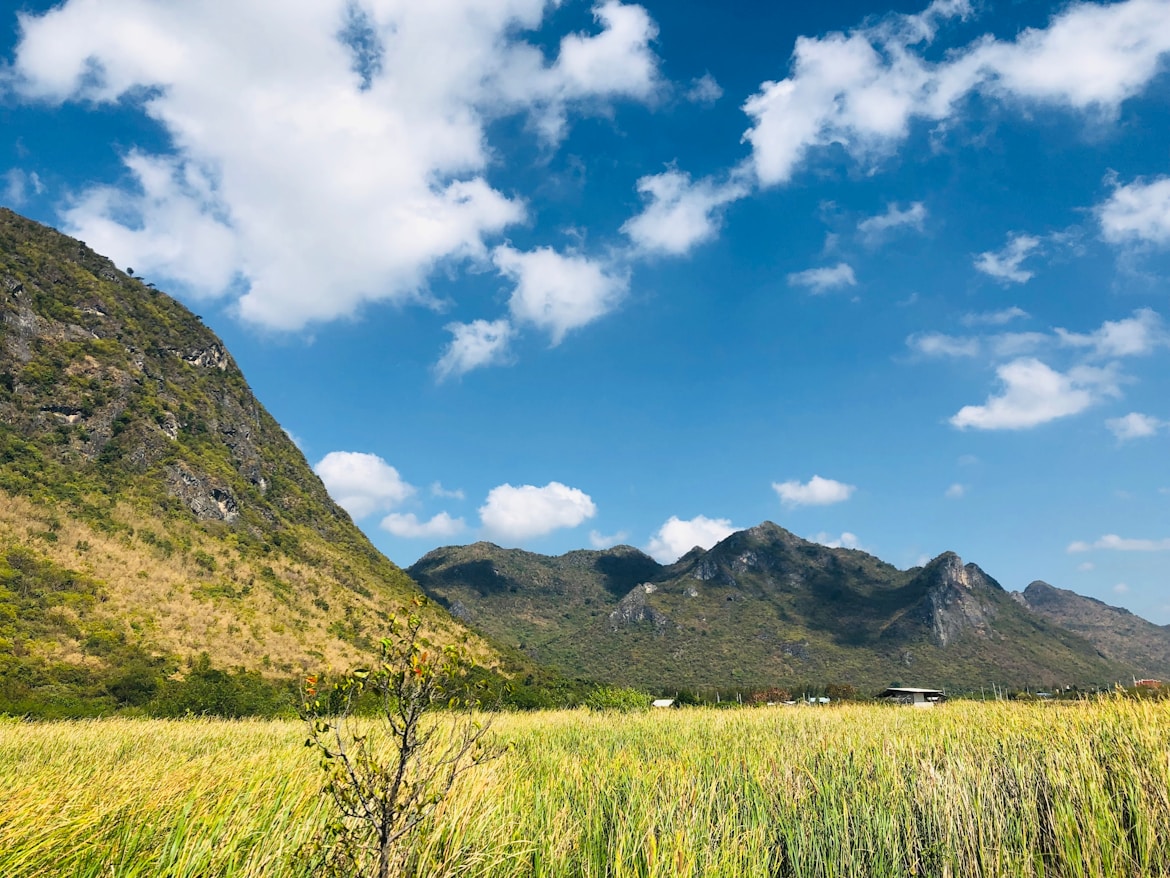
(386, 773)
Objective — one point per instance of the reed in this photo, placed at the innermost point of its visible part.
(992, 790)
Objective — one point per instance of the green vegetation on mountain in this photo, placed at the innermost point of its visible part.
(761, 609)
(1141, 645)
(151, 510)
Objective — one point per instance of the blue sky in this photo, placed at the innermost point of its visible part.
(562, 275)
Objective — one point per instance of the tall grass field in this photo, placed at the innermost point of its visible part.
(969, 789)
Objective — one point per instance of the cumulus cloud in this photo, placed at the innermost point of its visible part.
(604, 541)
(1133, 336)
(1138, 212)
(956, 491)
(555, 292)
(937, 344)
(18, 186)
(321, 159)
(1034, 393)
(847, 540)
(995, 318)
(862, 89)
(360, 483)
(876, 227)
(475, 345)
(1006, 265)
(1135, 426)
(437, 490)
(677, 537)
(407, 526)
(520, 513)
(815, 492)
(1121, 544)
(822, 280)
(679, 213)
(704, 90)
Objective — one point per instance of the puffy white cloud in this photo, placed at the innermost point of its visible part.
(995, 318)
(876, 227)
(1034, 394)
(815, 492)
(956, 491)
(604, 541)
(475, 345)
(558, 293)
(937, 344)
(407, 526)
(321, 158)
(1121, 544)
(847, 540)
(519, 513)
(704, 90)
(437, 490)
(361, 483)
(1006, 265)
(1135, 426)
(1139, 212)
(1121, 588)
(677, 537)
(822, 280)
(679, 213)
(1134, 336)
(18, 185)
(862, 89)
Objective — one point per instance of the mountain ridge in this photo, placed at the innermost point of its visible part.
(762, 607)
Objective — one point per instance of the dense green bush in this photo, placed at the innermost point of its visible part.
(613, 698)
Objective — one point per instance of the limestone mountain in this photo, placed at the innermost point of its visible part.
(150, 508)
(1116, 632)
(761, 608)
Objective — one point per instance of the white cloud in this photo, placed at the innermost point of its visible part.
(679, 213)
(704, 90)
(437, 490)
(1086, 566)
(815, 492)
(519, 513)
(937, 344)
(1121, 588)
(1133, 336)
(995, 318)
(1135, 426)
(1035, 394)
(558, 293)
(475, 345)
(1122, 544)
(1139, 212)
(1006, 265)
(956, 491)
(847, 540)
(306, 178)
(360, 483)
(407, 526)
(604, 541)
(821, 280)
(677, 537)
(875, 228)
(18, 185)
(861, 90)
(1006, 345)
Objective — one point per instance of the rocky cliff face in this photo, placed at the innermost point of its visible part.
(142, 480)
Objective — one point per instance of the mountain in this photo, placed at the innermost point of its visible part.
(1117, 633)
(761, 608)
(150, 508)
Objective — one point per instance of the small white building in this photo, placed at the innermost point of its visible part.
(914, 697)
(662, 702)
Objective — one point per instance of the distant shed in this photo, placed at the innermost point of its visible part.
(913, 697)
(663, 702)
